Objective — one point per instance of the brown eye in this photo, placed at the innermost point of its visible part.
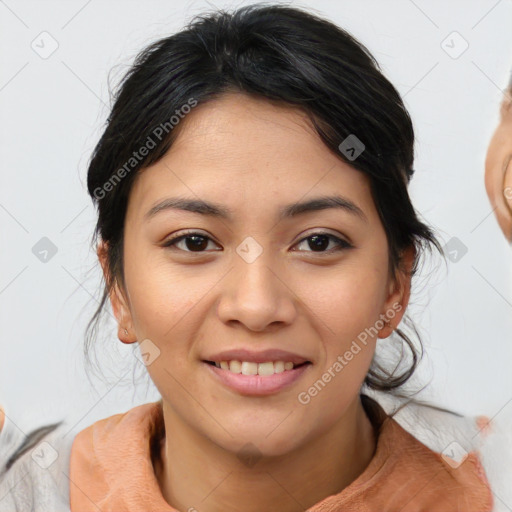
(318, 242)
(193, 242)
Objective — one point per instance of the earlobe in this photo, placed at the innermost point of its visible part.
(122, 314)
(124, 336)
(399, 293)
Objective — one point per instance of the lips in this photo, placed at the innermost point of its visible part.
(256, 357)
(258, 385)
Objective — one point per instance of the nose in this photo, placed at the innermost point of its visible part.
(257, 296)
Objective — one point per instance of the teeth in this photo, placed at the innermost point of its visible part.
(250, 368)
(233, 366)
(279, 366)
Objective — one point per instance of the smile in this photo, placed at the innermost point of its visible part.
(250, 368)
(250, 378)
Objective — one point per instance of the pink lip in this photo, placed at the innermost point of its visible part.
(256, 357)
(257, 384)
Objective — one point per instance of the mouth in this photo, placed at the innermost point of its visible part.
(257, 379)
(250, 368)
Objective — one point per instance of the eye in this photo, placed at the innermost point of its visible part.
(318, 242)
(194, 241)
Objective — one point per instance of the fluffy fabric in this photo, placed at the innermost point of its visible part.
(31, 483)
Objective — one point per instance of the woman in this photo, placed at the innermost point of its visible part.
(257, 239)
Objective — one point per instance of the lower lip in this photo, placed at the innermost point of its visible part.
(256, 384)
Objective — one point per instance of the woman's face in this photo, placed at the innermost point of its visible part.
(498, 168)
(256, 280)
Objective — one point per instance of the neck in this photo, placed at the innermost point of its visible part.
(195, 473)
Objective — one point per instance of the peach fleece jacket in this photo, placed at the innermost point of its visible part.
(108, 466)
(112, 467)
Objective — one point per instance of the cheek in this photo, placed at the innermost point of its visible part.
(346, 309)
(351, 298)
(161, 293)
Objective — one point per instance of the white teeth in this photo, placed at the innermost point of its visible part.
(234, 366)
(279, 366)
(250, 368)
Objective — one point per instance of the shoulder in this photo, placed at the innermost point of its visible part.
(488, 441)
(34, 466)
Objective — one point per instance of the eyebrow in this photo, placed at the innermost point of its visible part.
(289, 211)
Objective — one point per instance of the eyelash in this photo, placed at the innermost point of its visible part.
(342, 244)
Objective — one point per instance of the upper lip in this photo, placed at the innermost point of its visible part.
(257, 357)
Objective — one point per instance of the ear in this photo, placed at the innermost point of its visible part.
(117, 299)
(399, 293)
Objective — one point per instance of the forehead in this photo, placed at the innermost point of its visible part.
(248, 128)
(239, 149)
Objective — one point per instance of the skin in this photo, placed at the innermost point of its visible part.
(498, 168)
(254, 157)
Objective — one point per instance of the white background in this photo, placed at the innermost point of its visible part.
(52, 112)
